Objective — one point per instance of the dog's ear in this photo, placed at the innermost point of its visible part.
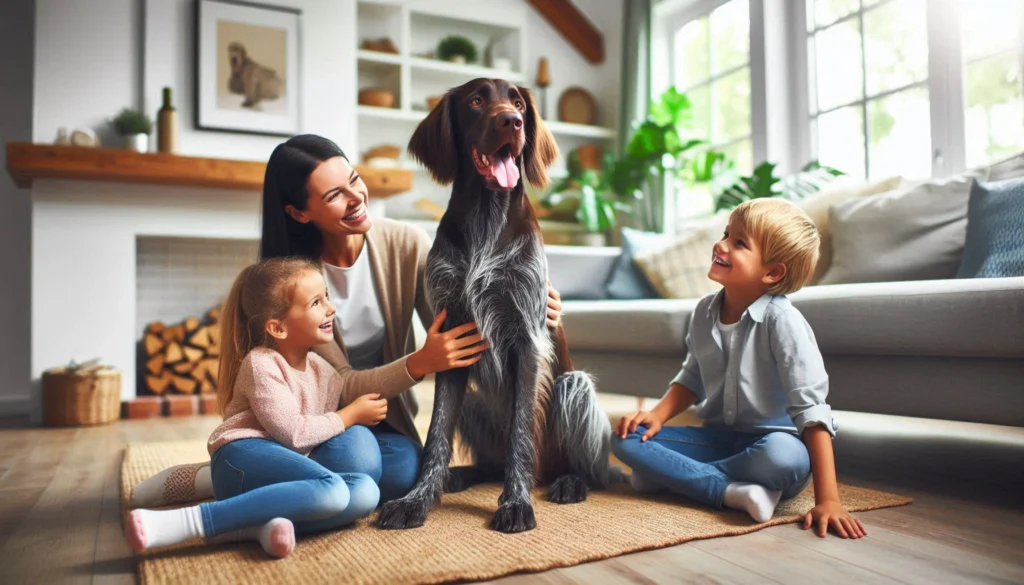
(433, 142)
(541, 149)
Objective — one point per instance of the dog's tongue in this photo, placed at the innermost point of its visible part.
(504, 170)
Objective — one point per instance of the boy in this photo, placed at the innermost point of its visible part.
(754, 367)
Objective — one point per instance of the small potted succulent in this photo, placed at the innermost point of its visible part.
(135, 127)
(457, 49)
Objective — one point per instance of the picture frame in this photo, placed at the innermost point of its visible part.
(247, 68)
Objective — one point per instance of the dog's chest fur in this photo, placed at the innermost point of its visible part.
(483, 271)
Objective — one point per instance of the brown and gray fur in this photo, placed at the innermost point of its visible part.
(256, 82)
(522, 411)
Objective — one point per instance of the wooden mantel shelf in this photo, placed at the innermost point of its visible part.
(27, 162)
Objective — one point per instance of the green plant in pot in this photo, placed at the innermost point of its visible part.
(589, 193)
(457, 49)
(135, 127)
(660, 149)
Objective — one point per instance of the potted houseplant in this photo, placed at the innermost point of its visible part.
(457, 49)
(135, 127)
(762, 182)
(597, 204)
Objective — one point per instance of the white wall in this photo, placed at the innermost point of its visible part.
(16, 54)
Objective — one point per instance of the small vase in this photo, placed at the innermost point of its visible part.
(460, 59)
(137, 142)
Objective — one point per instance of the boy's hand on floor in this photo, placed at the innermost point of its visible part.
(833, 514)
(631, 421)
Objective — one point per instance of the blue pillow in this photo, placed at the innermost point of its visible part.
(995, 230)
(627, 281)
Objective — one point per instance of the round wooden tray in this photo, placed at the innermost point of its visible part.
(577, 106)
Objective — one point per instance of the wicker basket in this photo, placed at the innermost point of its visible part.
(81, 396)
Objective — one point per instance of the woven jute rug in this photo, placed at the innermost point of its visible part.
(456, 544)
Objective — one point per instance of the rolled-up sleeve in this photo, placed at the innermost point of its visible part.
(689, 376)
(801, 371)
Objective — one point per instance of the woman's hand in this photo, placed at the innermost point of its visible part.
(554, 315)
(448, 350)
(833, 514)
(368, 409)
(631, 421)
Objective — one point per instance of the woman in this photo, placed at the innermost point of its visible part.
(315, 206)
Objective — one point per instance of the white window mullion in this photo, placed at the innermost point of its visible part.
(758, 83)
(946, 87)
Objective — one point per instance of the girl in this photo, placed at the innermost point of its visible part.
(272, 455)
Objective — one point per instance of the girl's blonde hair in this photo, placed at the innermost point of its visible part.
(261, 292)
(785, 234)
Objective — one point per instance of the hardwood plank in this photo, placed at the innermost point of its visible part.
(772, 557)
(27, 162)
(56, 541)
(15, 504)
(114, 563)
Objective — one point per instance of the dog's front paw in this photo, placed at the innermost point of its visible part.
(453, 483)
(514, 517)
(568, 489)
(403, 513)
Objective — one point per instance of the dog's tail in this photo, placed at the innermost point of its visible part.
(580, 429)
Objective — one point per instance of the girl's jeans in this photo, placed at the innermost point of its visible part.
(257, 480)
(699, 462)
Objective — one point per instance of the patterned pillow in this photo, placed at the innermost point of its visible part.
(995, 231)
(626, 280)
(679, 269)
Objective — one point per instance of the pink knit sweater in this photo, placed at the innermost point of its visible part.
(297, 409)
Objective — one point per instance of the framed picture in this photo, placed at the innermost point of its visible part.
(247, 68)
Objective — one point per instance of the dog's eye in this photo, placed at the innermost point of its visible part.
(519, 105)
(476, 102)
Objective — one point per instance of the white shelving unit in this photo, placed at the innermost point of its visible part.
(412, 76)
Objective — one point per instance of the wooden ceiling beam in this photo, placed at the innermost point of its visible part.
(574, 26)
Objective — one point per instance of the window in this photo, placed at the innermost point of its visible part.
(870, 110)
(711, 64)
(993, 100)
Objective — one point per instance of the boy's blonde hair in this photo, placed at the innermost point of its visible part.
(785, 234)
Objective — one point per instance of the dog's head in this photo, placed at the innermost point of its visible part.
(488, 127)
(237, 55)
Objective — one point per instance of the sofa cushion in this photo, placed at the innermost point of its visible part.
(678, 269)
(951, 318)
(1008, 168)
(995, 231)
(817, 206)
(655, 327)
(580, 272)
(627, 281)
(913, 233)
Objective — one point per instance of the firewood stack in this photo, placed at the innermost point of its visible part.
(184, 358)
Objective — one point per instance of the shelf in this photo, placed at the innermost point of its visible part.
(27, 162)
(463, 72)
(581, 130)
(391, 113)
(379, 57)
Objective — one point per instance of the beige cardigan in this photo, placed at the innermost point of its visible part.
(398, 260)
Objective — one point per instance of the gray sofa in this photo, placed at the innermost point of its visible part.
(941, 349)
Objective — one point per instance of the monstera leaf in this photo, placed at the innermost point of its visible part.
(763, 183)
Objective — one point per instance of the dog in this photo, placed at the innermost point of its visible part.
(523, 413)
(256, 82)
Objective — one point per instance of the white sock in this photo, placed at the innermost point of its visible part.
(155, 528)
(277, 537)
(643, 485)
(181, 484)
(754, 499)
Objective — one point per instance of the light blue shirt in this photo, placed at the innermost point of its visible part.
(774, 378)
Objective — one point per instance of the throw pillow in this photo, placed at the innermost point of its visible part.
(679, 269)
(995, 231)
(626, 280)
(817, 207)
(914, 233)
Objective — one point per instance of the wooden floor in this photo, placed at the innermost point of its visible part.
(59, 522)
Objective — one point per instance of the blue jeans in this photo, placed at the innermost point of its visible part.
(387, 456)
(257, 480)
(699, 462)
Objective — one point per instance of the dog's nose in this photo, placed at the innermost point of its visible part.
(510, 121)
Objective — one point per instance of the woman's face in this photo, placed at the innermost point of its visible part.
(337, 200)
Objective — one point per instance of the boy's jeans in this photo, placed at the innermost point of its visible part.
(699, 462)
(257, 480)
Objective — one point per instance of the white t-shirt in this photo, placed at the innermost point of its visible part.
(358, 316)
(727, 331)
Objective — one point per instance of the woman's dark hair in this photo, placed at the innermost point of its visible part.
(284, 184)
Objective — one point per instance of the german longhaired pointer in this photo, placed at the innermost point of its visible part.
(522, 412)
